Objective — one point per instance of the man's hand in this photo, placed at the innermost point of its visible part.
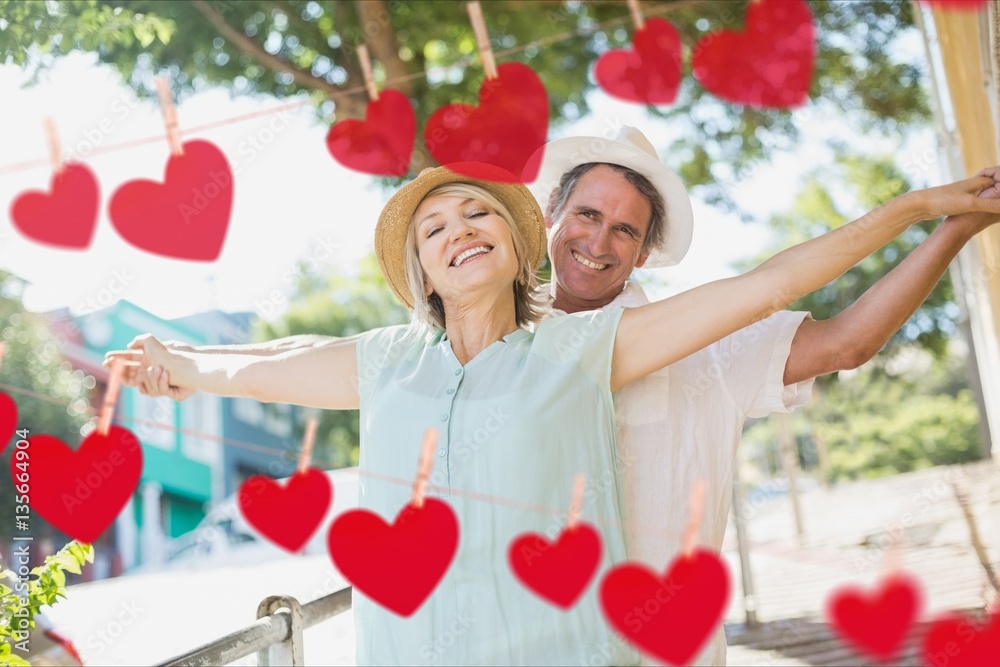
(974, 201)
(147, 361)
(978, 221)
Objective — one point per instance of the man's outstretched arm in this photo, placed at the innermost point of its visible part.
(856, 334)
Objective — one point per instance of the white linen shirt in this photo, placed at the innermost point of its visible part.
(683, 423)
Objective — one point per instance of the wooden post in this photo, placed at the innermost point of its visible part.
(790, 465)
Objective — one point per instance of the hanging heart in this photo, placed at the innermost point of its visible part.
(187, 215)
(670, 618)
(559, 572)
(287, 515)
(768, 64)
(8, 419)
(876, 623)
(956, 641)
(650, 72)
(381, 144)
(67, 217)
(398, 565)
(509, 125)
(81, 492)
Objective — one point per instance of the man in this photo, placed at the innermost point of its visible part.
(611, 207)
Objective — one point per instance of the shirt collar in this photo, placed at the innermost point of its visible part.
(630, 297)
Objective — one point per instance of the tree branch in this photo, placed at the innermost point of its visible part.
(350, 105)
(382, 41)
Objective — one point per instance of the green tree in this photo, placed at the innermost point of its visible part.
(875, 425)
(836, 194)
(55, 401)
(338, 305)
(285, 48)
(881, 420)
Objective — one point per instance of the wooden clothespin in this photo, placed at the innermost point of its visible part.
(305, 455)
(3, 351)
(366, 71)
(110, 396)
(633, 6)
(694, 517)
(55, 150)
(424, 470)
(579, 483)
(482, 39)
(169, 116)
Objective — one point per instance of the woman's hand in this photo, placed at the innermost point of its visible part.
(147, 366)
(980, 220)
(974, 201)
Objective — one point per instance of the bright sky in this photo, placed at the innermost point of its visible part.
(292, 200)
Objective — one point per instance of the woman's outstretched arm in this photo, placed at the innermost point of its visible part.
(658, 334)
(320, 377)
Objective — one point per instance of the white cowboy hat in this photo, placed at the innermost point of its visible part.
(629, 149)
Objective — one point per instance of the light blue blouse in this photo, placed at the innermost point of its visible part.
(516, 424)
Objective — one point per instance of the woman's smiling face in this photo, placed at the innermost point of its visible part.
(462, 244)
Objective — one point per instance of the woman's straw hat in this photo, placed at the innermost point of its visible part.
(393, 223)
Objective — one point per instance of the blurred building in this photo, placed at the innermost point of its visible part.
(195, 452)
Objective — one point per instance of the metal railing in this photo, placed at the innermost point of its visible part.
(276, 636)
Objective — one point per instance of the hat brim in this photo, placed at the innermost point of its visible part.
(394, 221)
(562, 155)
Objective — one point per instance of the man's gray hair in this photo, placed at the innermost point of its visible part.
(657, 228)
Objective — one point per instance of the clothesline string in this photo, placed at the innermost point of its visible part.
(465, 62)
(292, 455)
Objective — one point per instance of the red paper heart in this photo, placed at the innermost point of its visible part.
(381, 144)
(287, 515)
(769, 64)
(650, 72)
(81, 492)
(876, 623)
(67, 217)
(671, 617)
(8, 419)
(185, 217)
(397, 566)
(560, 572)
(507, 127)
(955, 641)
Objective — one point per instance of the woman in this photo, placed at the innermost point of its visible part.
(518, 413)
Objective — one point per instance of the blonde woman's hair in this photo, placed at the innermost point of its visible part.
(428, 309)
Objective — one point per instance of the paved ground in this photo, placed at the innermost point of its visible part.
(847, 531)
(144, 619)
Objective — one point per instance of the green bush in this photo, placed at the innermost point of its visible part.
(45, 586)
(875, 424)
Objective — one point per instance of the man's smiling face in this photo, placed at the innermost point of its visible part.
(597, 239)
